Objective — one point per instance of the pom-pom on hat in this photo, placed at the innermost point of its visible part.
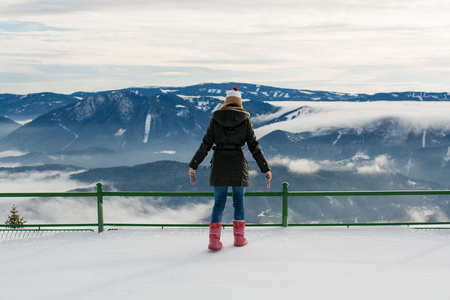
(233, 97)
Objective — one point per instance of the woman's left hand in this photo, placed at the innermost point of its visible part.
(192, 176)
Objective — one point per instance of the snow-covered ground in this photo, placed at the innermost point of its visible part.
(278, 263)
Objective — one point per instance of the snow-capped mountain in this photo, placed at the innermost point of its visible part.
(346, 135)
(268, 93)
(120, 121)
(123, 121)
(313, 140)
(385, 135)
(31, 106)
(331, 130)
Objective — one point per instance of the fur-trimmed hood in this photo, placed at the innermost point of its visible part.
(230, 116)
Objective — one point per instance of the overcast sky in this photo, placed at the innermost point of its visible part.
(352, 46)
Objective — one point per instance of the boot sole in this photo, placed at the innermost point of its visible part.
(215, 249)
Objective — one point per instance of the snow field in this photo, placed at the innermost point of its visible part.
(278, 263)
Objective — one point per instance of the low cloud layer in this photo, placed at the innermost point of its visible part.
(359, 163)
(411, 116)
(84, 210)
(380, 164)
(10, 153)
(296, 165)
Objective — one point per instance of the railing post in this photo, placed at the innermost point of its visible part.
(100, 206)
(285, 204)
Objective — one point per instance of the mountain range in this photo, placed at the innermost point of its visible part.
(141, 139)
(30, 106)
(138, 125)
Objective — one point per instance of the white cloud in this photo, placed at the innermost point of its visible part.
(171, 152)
(253, 173)
(145, 210)
(46, 181)
(360, 163)
(423, 214)
(11, 153)
(345, 45)
(296, 165)
(84, 210)
(172, 73)
(412, 116)
(381, 164)
(115, 209)
(34, 181)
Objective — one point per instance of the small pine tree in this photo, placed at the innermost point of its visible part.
(14, 218)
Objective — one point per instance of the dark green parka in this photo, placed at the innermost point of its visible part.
(230, 128)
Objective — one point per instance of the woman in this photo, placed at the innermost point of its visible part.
(230, 128)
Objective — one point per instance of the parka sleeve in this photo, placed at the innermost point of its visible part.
(255, 149)
(205, 146)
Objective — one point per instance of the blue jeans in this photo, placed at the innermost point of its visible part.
(220, 199)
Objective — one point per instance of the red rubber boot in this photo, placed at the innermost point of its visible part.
(214, 236)
(238, 230)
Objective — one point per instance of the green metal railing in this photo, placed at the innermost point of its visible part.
(284, 194)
